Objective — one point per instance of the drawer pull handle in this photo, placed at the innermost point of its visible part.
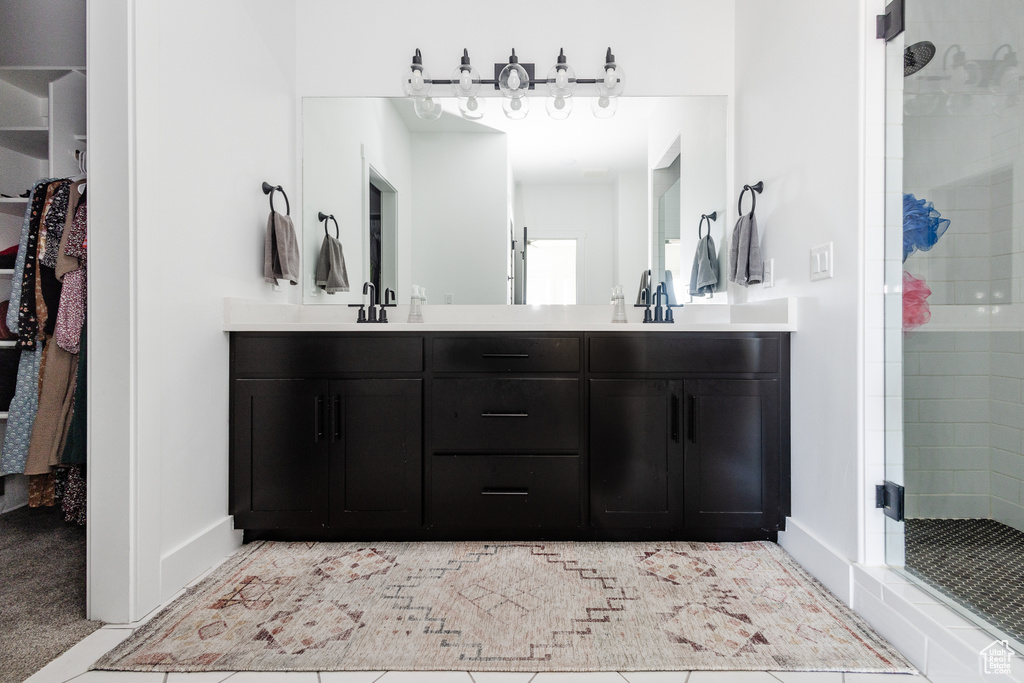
(504, 355)
(505, 492)
(504, 415)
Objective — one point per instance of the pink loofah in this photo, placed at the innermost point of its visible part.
(915, 302)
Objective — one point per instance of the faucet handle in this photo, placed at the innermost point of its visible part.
(361, 317)
(389, 298)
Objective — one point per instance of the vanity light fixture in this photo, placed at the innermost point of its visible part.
(515, 81)
(561, 85)
(466, 86)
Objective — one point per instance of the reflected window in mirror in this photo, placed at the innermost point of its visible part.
(551, 271)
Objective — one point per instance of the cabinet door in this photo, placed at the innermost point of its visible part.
(636, 454)
(732, 454)
(376, 453)
(279, 453)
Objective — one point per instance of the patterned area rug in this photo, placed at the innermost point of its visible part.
(507, 607)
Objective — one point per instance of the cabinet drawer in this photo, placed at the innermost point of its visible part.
(698, 353)
(506, 354)
(506, 414)
(298, 354)
(505, 492)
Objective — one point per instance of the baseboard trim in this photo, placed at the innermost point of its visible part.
(182, 564)
(817, 557)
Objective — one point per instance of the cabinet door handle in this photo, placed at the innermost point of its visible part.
(504, 355)
(335, 418)
(505, 492)
(675, 418)
(504, 415)
(692, 418)
(318, 432)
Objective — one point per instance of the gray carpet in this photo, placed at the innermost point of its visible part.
(42, 590)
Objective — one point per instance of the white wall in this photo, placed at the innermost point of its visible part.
(629, 257)
(459, 245)
(581, 212)
(187, 118)
(337, 135)
(798, 128)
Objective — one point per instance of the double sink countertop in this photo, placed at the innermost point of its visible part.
(248, 315)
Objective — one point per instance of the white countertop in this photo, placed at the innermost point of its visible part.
(246, 315)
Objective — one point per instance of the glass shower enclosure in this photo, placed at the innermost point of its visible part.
(955, 306)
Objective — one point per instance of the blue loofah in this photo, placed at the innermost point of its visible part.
(922, 225)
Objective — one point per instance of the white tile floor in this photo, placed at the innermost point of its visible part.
(74, 665)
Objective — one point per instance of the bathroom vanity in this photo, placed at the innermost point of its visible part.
(445, 434)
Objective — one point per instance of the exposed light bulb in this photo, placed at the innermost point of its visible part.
(465, 80)
(417, 79)
(429, 104)
(610, 78)
(513, 79)
(561, 79)
(472, 104)
(559, 102)
(516, 102)
(603, 102)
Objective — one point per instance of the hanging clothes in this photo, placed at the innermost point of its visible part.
(74, 450)
(22, 413)
(33, 213)
(53, 415)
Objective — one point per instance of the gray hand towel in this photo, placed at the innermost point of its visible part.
(704, 275)
(280, 250)
(331, 274)
(745, 265)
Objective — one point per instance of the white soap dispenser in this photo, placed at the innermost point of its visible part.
(415, 314)
(618, 305)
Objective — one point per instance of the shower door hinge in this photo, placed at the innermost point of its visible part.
(891, 24)
(889, 497)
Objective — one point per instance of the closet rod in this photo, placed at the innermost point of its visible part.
(270, 189)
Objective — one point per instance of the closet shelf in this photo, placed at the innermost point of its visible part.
(6, 271)
(8, 343)
(31, 140)
(3, 415)
(35, 80)
(13, 206)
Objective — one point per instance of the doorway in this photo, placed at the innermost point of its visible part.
(551, 271)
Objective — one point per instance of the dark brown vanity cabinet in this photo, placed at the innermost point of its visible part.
(279, 453)
(318, 453)
(572, 435)
(505, 435)
(689, 433)
(636, 454)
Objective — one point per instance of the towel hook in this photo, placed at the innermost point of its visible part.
(325, 217)
(713, 216)
(755, 189)
(269, 189)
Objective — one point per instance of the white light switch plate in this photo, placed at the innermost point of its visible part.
(821, 262)
(768, 278)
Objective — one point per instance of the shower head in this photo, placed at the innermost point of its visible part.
(916, 56)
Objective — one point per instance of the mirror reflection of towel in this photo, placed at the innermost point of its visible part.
(745, 266)
(280, 250)
(331, 274)
(704, 275)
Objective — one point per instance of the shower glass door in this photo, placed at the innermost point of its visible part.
(955, 306)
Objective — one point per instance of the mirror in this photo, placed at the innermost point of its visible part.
(495, 211)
